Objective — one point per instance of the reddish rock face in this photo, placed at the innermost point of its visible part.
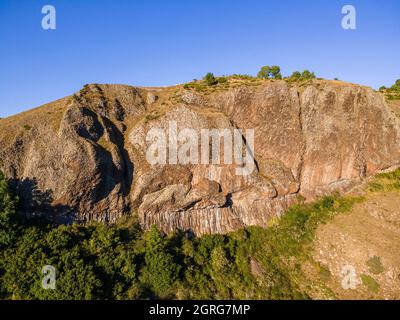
(83, 158)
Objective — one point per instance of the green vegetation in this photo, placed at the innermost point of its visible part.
(222, 80)
(196, 85)
(375, 265)
(324, 272)
(386, 182)
(274, 72)
(209, 79)
(27, 127)
(123, 262)
(9, 222)
(211, 83)
(392, 93)
(242, 77)
(159, 270)
(268, 72)
(370, 282)
(150, 117)
(296, 76)
(302, 76)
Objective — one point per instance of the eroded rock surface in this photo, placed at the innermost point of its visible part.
(83, 158)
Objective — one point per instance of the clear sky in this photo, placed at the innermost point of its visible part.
(165, 42)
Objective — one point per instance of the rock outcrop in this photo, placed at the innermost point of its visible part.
(85, 157)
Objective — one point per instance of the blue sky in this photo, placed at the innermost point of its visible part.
(165, 42)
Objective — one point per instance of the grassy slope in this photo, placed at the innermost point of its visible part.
(366, 238)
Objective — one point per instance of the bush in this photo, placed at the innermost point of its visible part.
(275, 72)
(307, 75)
(209, 79)
(296, 75)
(392, 93)
(302, 76)
(195, 85)
(264, 72)
(9, 219)
(160, 271)
(268, 72)
(370, 283)
(222, 80)
(375, 265)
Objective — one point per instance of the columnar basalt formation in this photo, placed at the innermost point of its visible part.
(83, 158)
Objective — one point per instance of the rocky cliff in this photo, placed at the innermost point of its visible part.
(85, 157)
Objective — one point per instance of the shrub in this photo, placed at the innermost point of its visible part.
(392, 93)
(222, 80)
(275, 72)
(375, 265)
(150, 117)
(370, 282)
(9, 219)
(307, 75)
(296, 75)
(160, 271)
(264, 72)
(268, 72)
(209, 79)
(324, 272)
(302, 76)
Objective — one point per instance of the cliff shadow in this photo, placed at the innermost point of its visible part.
(35, 203)
(126, 174)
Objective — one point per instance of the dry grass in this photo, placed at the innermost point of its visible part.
(49, 114)
(367, 238)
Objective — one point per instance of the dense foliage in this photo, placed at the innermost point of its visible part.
(392, 93)
(8, 218)
(209, 79)
(268, 72)
(301, 76)
(123, 262)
